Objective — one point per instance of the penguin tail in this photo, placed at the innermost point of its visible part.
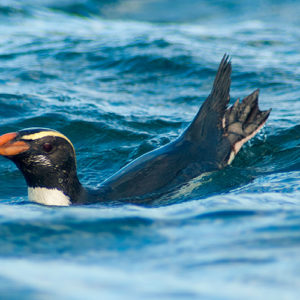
(221, 129)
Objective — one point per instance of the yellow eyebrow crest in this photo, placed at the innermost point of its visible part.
(41, 134)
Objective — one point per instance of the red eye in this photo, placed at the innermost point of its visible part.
(47, 147)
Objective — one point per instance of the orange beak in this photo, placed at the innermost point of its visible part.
(9, 148)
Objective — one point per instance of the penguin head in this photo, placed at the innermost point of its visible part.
(48, 162)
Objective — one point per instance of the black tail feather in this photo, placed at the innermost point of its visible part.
(224, 129)
(219, 96)
(213, 109)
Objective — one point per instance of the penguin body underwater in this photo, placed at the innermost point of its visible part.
(47, 158)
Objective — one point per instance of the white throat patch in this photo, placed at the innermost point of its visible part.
(48, 196)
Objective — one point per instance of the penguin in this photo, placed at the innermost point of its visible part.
(210, 142)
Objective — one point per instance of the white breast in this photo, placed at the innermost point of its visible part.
(48, 196)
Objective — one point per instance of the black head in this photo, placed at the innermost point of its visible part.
(45, 157)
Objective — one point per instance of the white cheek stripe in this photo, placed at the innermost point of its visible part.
(48, 196)
(41, 134)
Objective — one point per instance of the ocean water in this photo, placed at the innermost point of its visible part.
(121, 78)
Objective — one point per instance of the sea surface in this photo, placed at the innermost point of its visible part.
(121, 78)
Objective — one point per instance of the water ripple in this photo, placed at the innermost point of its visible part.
(121, 78)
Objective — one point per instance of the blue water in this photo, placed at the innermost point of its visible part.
(120, 78)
